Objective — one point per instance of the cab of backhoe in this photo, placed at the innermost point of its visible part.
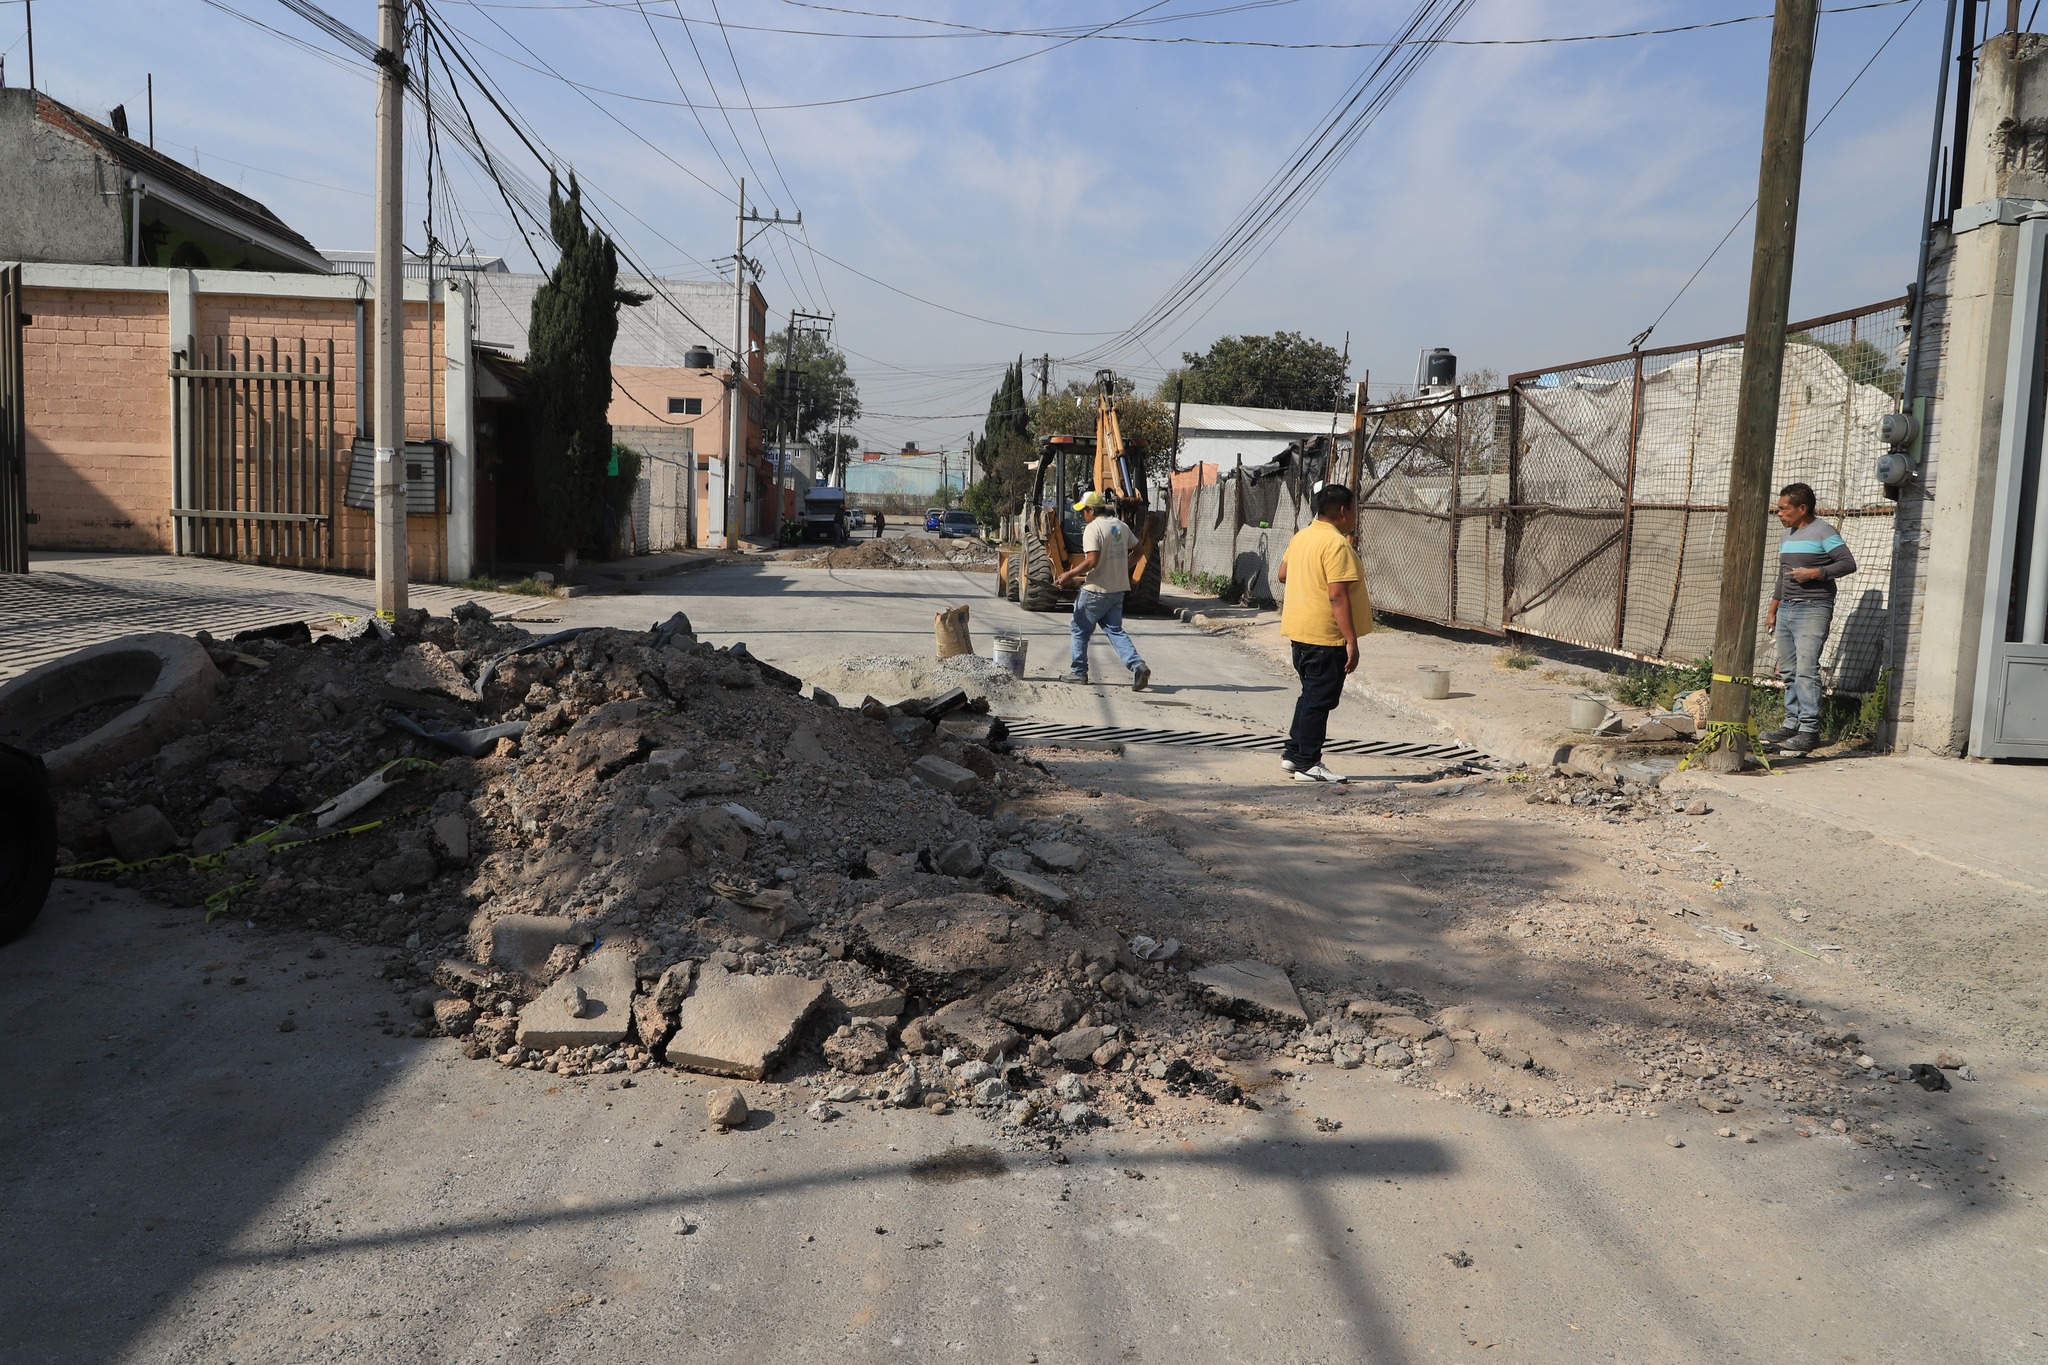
(1066, 470)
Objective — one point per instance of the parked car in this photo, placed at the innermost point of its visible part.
(932, 517)
(958, 524)
(856, 519)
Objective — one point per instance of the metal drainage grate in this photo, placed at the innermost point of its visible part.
(1051, 733)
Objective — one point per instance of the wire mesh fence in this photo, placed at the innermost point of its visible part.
(1587, 503)
(1620, 486)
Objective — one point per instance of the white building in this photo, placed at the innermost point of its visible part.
(1218, 435)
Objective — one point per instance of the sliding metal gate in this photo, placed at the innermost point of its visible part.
(255, 452)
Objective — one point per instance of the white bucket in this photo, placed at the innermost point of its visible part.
(1008, 653)
(1587, 713)
(1435, 681)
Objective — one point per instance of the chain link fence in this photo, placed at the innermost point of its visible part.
(1587, 503)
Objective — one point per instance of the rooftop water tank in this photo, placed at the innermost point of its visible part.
(1442, 372)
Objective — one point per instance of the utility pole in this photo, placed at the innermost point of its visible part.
(28, 14)
(150, 85)
(729, 498)
(388, 438)
(1763, 364)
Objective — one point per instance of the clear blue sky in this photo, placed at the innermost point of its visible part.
(1524, 205)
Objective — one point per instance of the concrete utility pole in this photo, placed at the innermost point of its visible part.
(388, 436)
(728, 498)
(1763, 364)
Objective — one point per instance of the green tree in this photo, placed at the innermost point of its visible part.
(809, 394)
(1860, 359)
(569, 358)
(1143, 421)
(1284, 370)
(1004, 449)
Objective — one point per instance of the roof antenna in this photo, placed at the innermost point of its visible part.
(118, 116)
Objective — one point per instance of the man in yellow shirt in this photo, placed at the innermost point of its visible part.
(1322, 614)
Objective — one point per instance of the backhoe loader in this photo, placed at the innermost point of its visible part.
(1049, 540)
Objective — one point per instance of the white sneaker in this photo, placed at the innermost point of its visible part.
(1318, 773)
(1286, 765)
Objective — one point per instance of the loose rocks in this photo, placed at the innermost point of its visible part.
(726, 1107)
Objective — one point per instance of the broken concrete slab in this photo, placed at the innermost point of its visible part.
(589, 1007)
(1059, 857)
(768, 914)
(1037, 1009)
(958, 859)
(451, 832)
(969, 728)
(1076, 1047)
(523, 942)
(215, 839)
(1252, 987)
(962, 1024)
(425, 668)
(909, 731)
(739, 1025)
(140, 834)
(949, 778)
(1034, 889)
(1405, 1027)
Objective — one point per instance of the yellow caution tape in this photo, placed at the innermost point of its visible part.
(1718, 735)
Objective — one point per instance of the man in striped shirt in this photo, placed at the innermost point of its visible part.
(1811, 556)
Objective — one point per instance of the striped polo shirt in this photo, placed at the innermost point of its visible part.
(1816, 545)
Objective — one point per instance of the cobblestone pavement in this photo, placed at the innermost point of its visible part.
(66, 602)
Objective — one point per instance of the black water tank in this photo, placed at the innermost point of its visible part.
(698, 358)
(1442, 370)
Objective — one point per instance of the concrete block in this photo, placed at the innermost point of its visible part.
(1252, 987)
(590, 1006)
(950, 778)
(522, 942)
(740, 1025)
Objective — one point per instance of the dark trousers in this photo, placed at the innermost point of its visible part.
(1321, 669)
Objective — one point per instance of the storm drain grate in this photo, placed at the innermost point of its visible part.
(1054, 733)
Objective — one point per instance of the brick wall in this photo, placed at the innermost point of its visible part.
(98, 412)
(99, 405)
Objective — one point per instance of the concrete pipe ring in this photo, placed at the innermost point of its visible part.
(104, 707)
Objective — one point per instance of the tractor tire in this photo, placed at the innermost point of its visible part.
(28, 840)
(1035, 589)
(1143, 599)
(1011, 583)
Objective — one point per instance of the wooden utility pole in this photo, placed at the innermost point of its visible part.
(388, 438)
(1763, 364)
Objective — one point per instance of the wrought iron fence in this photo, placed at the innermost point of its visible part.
(1587, 503)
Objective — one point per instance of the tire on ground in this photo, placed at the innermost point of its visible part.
(1035, 590)
(28, 840)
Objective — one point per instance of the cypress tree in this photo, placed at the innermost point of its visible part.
(569, 360)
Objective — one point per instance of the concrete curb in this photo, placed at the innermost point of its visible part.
(173, 674)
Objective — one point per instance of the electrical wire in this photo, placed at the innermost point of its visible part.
(1636, 342)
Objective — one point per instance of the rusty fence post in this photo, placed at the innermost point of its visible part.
(1628, 505)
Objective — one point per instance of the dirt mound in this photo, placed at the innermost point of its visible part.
(911, 552)
(583, 847)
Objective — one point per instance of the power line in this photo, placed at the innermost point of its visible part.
(1635, 342)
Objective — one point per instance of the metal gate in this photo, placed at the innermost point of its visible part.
(1431, 476)
(13, 429)
(2009, 717)
(255, 452)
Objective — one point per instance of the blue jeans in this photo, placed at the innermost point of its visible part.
(1104, 609)
(1802, 631)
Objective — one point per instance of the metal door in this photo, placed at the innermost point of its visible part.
(13, 429)
(2010, 715)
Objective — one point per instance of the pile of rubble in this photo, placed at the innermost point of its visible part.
(604, 851)
(903, 552)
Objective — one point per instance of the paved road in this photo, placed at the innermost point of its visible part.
(66, 602)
